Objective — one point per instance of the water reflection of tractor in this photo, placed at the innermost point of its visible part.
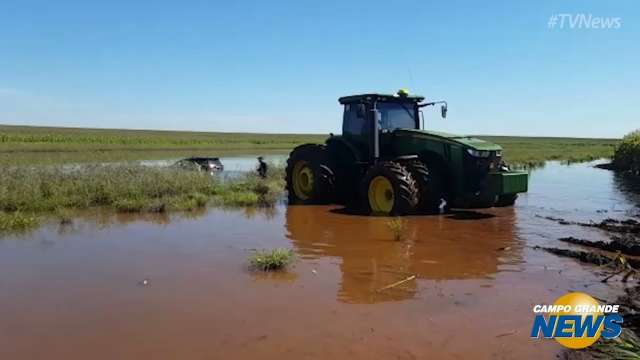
(385, 163)
(438, 248)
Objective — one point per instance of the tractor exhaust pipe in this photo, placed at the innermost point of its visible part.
(376, 133)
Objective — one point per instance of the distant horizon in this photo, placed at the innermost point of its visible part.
(278, 133)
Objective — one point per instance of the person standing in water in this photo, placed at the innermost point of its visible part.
(262, 167)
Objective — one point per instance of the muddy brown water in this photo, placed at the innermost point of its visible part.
(78, 292)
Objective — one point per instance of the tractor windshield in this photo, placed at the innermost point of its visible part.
(397, 115)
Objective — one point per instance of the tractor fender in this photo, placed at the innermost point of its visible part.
(339, 146)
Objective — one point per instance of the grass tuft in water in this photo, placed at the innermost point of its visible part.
(16, 222)
(271, 260)
(397, 227)
(64, 216)
(129, 205)
(624, 347)
(188, 202)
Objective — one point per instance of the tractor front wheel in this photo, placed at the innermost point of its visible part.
(388, 188)
(310, 178)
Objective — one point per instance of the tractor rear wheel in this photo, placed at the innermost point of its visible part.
(310, 178)
(388, 188)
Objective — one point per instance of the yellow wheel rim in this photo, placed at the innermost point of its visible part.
(303, 180)
(381, 195)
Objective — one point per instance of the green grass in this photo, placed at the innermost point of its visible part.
(59, 191)
(533, 151)
(627, 155)
(28, 188)
(31, 138)
(129, 189)
(16, 222)
(64, 216)
(271, 260)
(625, 347)
(36, 145)
(21, 145)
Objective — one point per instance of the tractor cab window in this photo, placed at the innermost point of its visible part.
(397, 115)
(355, 122)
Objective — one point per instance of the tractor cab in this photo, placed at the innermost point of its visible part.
(367, 118)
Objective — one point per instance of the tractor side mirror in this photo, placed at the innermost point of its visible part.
(360, 111)
(443, 111)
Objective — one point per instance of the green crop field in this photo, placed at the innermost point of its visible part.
(536, 150)
(26, 138)
(33, 145)
(30, 190)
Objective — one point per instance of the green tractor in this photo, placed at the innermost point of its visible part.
(384, 163)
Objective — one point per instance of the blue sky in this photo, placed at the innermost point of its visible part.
(279, 66)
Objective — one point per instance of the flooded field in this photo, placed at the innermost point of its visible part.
(178, 287)
(232, 163)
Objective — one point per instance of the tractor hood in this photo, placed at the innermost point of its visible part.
(467, 141)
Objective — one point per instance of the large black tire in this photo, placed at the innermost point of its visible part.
(393, 185)
(506, 200)
(309, 175)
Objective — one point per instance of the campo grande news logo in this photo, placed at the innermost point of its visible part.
(576, 320)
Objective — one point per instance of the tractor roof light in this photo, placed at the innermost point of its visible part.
(403, 93)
